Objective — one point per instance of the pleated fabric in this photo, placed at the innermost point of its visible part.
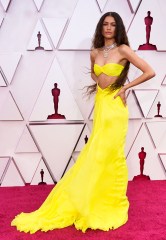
(110, 69)
(92, 194)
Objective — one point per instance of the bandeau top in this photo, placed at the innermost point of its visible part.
(110, 69)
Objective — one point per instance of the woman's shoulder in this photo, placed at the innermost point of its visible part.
(94, 52)
(124, 49)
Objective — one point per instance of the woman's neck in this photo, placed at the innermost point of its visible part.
(109, 42)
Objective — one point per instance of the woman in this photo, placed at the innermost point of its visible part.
(92, 194)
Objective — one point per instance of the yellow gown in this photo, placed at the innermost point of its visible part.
(92, 194)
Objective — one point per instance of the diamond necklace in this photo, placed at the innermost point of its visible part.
(107, 49)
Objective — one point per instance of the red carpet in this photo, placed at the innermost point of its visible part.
(147, 214)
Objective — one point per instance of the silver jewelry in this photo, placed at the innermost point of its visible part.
(107, 49)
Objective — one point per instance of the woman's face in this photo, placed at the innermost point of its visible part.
(109, 27)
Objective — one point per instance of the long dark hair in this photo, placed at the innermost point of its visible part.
(120, 38)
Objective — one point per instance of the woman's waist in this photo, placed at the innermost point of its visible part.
(106, 96)
(105, 81)
(108, 90)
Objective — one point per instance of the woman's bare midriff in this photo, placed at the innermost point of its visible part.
(104, 81)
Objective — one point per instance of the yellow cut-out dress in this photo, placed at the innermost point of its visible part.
(92, 194)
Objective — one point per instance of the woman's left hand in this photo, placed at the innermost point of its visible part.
(122, 95)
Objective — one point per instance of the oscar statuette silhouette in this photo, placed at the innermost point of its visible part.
(55, 94)
(86, 139)
(148, 22)
(39, 42)
(158, 110)
(141, 176)
(42, 178)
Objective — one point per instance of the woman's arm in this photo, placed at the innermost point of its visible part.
(92, 58)
(127, 53)
(147, 72)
